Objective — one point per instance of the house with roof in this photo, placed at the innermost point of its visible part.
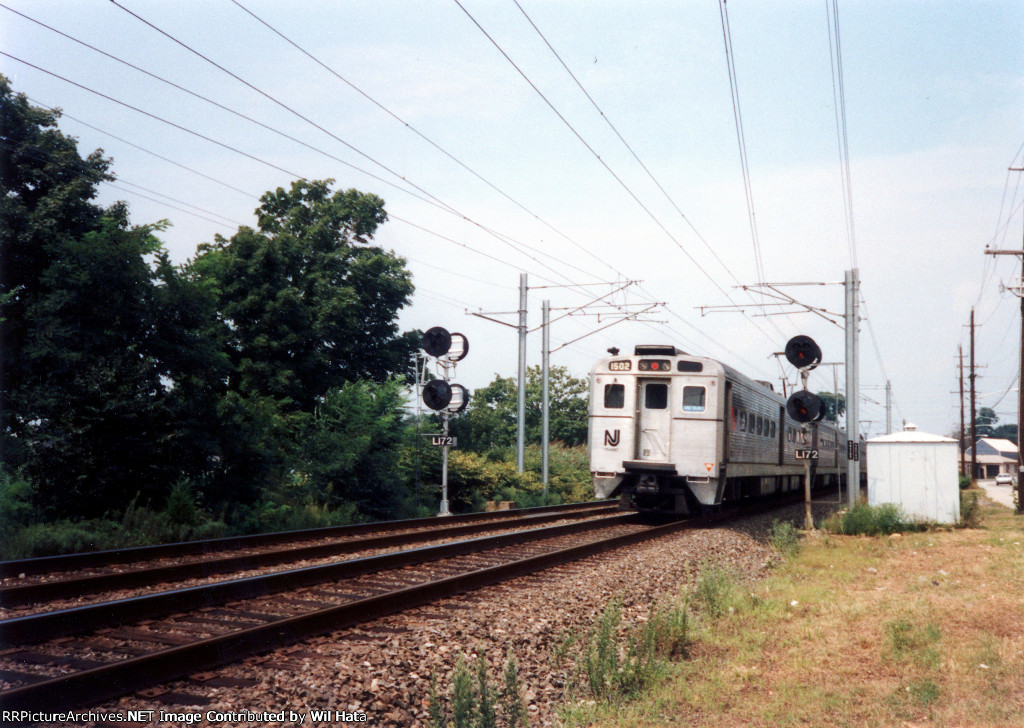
(995, 455)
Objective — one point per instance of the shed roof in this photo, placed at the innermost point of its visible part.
(911, 436)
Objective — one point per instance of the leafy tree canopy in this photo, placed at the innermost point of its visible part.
(835, 405)
(985, 422)
(310, 303)
(490, 421)
(90, 331)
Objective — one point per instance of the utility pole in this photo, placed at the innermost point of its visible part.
(1019, 292)
(963, 434)
(974, 411)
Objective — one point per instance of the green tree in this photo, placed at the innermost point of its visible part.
(1006, 432)
(88, 328)
(352, 446)
(309, 302)
(985, 422)
(835, 405)
(490, 421)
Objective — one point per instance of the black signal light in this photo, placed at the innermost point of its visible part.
(804, 406)
(802, 352)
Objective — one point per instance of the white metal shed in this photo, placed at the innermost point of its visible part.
(918, 472)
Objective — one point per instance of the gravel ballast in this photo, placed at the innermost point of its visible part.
(383, 669)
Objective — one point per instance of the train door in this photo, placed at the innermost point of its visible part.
(654, 421)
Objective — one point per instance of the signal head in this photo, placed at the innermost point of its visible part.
(437, 394)
(802, 352)
(804, 406)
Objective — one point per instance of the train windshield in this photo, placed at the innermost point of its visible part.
(614, 396)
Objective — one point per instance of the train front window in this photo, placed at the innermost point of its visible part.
(656, 396)
(693, 399)
(614, 396)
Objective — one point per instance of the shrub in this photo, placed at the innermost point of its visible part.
(864, 519)
(784, 538)
(472, 701)
(616, 664)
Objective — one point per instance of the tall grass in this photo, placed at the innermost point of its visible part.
(867, 520)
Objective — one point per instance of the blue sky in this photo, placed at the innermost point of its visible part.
(934, 100)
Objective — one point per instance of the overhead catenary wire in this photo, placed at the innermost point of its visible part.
(622, 139)
(493, 233)
(592, 151)
(424, 137)
(741, 138)
(299, 115)
(498, 236)
(391, 216)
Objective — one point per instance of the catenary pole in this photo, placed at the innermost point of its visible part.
(545, 392)
(521, 409)
(852, 322)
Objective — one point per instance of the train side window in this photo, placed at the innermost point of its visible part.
(743, 421)
(656, 396)
(773, 431)
(614, 396)
(760, 425)
(693, 399)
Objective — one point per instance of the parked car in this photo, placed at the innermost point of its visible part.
(1004, 479)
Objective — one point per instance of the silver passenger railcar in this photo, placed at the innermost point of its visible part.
(678, 433)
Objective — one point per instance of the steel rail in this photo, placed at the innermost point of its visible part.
(46, 564)
(18, 595)
(43, 626)
(110, 681)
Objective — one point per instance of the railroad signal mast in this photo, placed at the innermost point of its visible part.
(805, 407)
(441, 395)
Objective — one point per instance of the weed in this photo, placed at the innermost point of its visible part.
(487, 717)
(562, 648)
(511, 696)
(436, 709)
(616, 664)
(716, 590)
(970, 510)
(600, 659)
(864, 519)
(472, 698)
(784, 538)
(924, 692)
(463, 696)
(909, 641)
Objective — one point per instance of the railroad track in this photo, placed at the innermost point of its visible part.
(83, 655)
(76, 576)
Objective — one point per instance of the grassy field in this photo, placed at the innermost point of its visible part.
(904, 630)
